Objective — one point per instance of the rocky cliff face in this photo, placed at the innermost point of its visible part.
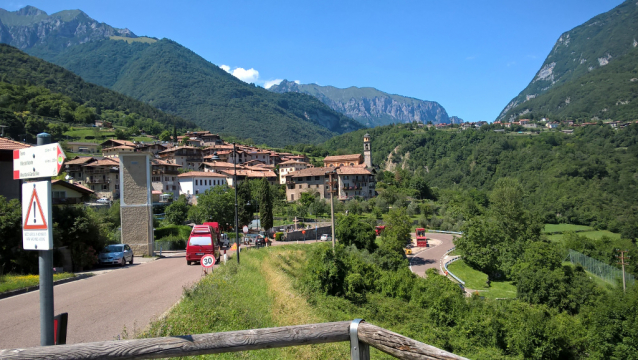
(583, 50)
(33, 30)
(370, 106)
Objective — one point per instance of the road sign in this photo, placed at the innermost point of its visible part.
(38, 161)
(208, 261)
(303, 232)
(37, 230)
(245, 229)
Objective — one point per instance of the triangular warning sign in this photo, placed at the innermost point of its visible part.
(35, 218)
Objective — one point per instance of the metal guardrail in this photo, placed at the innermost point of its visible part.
(451, 261)
(359, 333)
(445, 232)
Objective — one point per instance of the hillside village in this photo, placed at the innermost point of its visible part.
(199, 161)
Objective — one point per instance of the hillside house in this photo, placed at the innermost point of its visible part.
(343, 160)
(288, 167)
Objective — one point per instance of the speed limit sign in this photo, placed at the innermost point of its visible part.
(208, 261)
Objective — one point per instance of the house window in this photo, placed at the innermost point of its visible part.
(174, 187)
(167, 187)
(105, 187)
(316, 177)
(308, 178)
(196, 183)
(117, 187)
(117, 176)
(196, 192)
(58, 194)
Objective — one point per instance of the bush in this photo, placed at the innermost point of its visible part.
(178, 231)
(171, 242)
(279, 236)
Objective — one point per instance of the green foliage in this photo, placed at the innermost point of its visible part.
(11, 235)
(44, 89)
(351, 230)
(246, 205)
(565, 176)
(187, 85)
(216, 204)
(177, 231)
(265, 205)
(80, 230)
(177, 212)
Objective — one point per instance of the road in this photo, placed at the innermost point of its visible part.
(430, 257)
(102, 306)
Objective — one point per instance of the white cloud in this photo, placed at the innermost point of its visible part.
(250, 76)
(297, 82)
(268, 84)
(226, 68)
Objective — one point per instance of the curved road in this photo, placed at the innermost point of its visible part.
(101, 306)
(430, 257)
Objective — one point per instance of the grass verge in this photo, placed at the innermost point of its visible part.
(476, 280)
(14, 282)
(552, 228)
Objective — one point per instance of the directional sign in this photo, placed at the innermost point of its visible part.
(38, 161)
(208, 261)
(37, 230)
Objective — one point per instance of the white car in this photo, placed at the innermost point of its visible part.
(103, 201)
(326, 237)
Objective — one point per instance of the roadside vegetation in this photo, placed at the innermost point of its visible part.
(11, 282)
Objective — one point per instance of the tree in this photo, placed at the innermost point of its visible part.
(10, 233)
(175, 134)
(352, 231)
(246, 203)
(121, 135)
(216, 204)
(165, 136)
(177, 212)
(265, 205)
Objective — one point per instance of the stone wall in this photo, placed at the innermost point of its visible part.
(310, 234)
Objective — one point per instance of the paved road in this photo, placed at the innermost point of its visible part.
(101, 306)
(430, 257)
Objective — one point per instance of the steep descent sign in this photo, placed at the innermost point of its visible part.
(38, 161)
(37, 232)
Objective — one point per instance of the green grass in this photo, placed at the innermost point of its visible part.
(257, 294)
(596, 235)
(80, 134)
(14, 282)
(551, 228)
(476, 280)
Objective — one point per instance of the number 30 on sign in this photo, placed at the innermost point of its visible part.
(208, 261)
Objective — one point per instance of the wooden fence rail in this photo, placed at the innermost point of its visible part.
(214, 343)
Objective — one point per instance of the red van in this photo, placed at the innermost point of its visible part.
(202, 241)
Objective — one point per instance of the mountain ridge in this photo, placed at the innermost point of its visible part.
(368, 105)
(583, 50)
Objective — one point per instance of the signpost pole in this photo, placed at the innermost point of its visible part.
(46, 275)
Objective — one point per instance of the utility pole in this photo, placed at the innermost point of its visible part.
(622, 258)
(236, 207)
(332, 207)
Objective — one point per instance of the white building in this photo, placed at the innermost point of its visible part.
(197, 182)
(289, 166)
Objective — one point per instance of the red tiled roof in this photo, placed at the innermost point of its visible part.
(80, 160)
(200, 174)
(352, 170)
(350, 157)
(6, 144)
(75, 187)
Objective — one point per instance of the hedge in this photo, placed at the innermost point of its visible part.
(179, 231)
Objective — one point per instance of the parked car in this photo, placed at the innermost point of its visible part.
(116, 254)
(202, 241)
(103, 201)
(326, 237)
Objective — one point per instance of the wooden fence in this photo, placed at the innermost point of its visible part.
(360, 334)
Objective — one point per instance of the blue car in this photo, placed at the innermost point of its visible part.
(118, 254)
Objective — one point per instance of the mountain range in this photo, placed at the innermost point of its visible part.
(589, 74)
(171, 78)
(369, 106)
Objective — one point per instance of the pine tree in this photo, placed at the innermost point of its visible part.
(265, 205)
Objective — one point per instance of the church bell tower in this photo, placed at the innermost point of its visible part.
(367, 156)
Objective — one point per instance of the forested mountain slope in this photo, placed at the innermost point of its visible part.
(31, 86)
(589, 177)
(369, 106)
(586, 50)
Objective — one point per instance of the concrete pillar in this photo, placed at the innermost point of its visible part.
(136, 208)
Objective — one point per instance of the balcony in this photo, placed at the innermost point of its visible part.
(98, 181)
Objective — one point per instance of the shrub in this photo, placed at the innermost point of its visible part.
(180, 231)
(171, 242)
(279, 236)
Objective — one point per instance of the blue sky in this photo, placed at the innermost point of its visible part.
(472, 57)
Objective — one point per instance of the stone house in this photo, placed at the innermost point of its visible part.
(288, 167)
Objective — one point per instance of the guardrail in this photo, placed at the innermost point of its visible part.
(445, 232)
(360, 334)
(451, 261)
